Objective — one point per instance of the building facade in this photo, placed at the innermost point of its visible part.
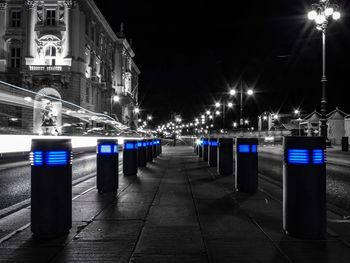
(66, 49)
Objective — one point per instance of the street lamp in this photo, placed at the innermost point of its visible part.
(249, 92)
(322, 13)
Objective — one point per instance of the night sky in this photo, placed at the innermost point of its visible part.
(191, 53)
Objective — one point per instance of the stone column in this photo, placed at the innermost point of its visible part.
(70, 4)
(31, 6)
(2, 33)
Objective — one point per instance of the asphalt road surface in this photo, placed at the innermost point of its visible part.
(15, 178)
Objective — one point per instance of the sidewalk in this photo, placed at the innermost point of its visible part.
(179, 210)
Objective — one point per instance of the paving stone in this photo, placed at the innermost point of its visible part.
(174, 198)
(92, 251)
(111, 230)
(172, 216)
(86, 211)
(136, 197)
(170, 240)
(27, 254)
(244, 251)
(122, 211)
(316, 251)
(168, 258)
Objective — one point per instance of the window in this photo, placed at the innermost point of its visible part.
(50, 56)
(87, 95)
(50, 17)
(15, 19)
(15, 58)
(92, 35)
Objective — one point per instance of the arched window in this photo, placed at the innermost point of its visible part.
(50, 55)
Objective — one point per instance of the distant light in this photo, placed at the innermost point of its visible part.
(235, 124)
(230, 104)
(211, 117)
(246, 121)
(149, 117)
(296, 112)
(312, 15)
(233, 92)
(217, 112)
(217, 104)
(137, 110)
(265, 118)
(320, 19)
(203, 117)
(208, 112)
(275, 116)
(116, 98)
(250, 92)
(336, 15)
(139, 120)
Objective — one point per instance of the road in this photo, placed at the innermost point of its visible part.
(15, 178)
(338, 172)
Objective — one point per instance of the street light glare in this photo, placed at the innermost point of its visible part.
(320, 19)
(312, 15)
(230, 104)
(329, 11)
(296, 112)
(217, 104)
(217, 112)
(336, 15)
(137, 110)
(233, 92)
(250, 92)
(208, 112)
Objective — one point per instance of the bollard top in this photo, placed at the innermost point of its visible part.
(51, 144)
(249, 141)
(130, 144)
(225, 141)
(304, 150)
(304, 142)
(107, 141)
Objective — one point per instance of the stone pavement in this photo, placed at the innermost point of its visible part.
(178, 210)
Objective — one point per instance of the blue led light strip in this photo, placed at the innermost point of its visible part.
(298, 156)
(214, 144)
(318, 156)
(56, 158)
(37, 158)
(130, 146)
(108, 148)
(254, 148)
(243, 148)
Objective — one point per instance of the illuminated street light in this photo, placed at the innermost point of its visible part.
(233, 92)
(217, 113)
(149, 118)
(137, 110)
(250, 92)
(116, 98)
(321, 14)
(208, 112)
(230, 105)
(217, 105)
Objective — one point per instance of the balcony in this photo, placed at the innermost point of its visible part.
(35, 68)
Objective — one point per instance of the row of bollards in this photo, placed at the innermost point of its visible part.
(51, 177)
(304, 177)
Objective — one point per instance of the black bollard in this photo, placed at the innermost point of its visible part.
(304, 187)
(51, 187)
(107, 165)
(142, 153)
(205, 147)
(213, 152)
(149, 150)
(246, 174)
(225, 156)
(130, 157)
(154, 148)
(200, 148)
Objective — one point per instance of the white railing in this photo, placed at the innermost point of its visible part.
(45, 68)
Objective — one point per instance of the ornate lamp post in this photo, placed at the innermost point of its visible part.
(322, 13)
